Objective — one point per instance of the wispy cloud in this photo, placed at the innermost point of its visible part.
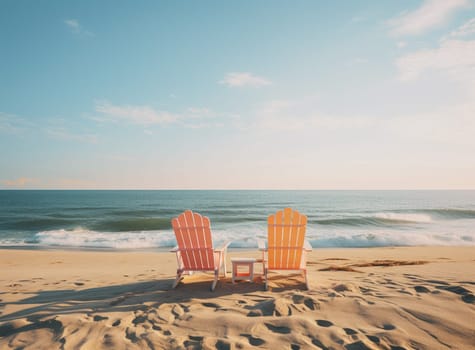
(431, 14)
(463, 31)
(10, 123)
(54, 128)
(456, 57)
(63, 133)
(143, 115)
(147, 116)
(19, 182)
(77, 28)
(242, 79)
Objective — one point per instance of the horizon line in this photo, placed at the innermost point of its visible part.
(237, 189)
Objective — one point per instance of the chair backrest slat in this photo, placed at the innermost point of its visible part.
(193, 235)
(286, 235)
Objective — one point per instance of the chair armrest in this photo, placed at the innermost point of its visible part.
(307, 246)
(261, 244)
(174, 250)
(224, 247)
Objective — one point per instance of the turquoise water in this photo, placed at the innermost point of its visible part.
(141, 219)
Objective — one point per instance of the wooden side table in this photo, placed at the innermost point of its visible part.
(243, 263)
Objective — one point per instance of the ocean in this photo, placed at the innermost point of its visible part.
(132, 219)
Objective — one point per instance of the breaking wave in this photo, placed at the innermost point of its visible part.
(376, 219)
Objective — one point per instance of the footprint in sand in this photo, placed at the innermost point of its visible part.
(193, 344)
(108, 341)
(388, 327)
(130, 334)
(422, 289)
(465, 294)
(318, 343)
(277, 329)
(223, 345)
(373, 338)
(54, 325)
(469, 298)
(307, 301)
(139, 319)
(359, 345)
(350, 331)
(196, 337)
(254, 341)
(324, 323)
(212, 305)
(98, 318)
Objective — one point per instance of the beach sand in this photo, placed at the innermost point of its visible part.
(375, 298)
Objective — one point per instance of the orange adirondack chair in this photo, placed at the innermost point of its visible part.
(195, 250)
(287, 247)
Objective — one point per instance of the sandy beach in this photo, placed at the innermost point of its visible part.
(375, 298)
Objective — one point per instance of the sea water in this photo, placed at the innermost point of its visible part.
(141, 219)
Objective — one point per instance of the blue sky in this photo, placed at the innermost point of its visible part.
(245, 94)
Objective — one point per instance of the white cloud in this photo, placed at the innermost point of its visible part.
(465, 30)
(431, 14)
(143, 115)
(73, 24)
(55, 128)
(240, 79)
(76, 27)
(199, 113)
(148, 116)
(455, 57)
(10, 123)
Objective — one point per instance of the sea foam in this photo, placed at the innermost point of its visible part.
(81, 237)
(404, 217)
(247, 237)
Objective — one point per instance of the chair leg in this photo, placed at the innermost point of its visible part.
(305, 278)
(215, 281)
(224, 263)
(179, 277)
(266, 285)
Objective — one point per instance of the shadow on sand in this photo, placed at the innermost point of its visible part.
(135, 296)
